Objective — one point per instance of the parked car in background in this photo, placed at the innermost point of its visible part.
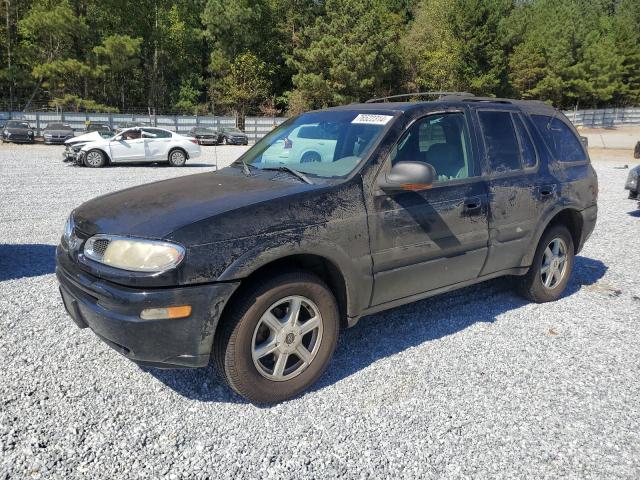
(103, 129)
(308, 143)
(205, 136)
(233, 136)
(57, 133)
(632, 183)
(257, 266)
(17, 131)
(139, 145)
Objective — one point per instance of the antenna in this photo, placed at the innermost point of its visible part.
(419, 94)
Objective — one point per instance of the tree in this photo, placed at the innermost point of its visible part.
(47, 34)
(245, 86)
(349, 54)
(116, 58)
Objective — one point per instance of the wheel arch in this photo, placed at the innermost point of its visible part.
(325, 268)
(104, 151)
(177, 147)
(568, 216)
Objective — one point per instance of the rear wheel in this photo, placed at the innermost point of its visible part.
(551, 268)
(95, 159)
(311, 157)
(278, 337)
(177, 158)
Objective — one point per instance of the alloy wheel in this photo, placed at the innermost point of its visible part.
(554, 263)
(287, 338)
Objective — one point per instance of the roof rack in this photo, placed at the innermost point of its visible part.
(419, 94)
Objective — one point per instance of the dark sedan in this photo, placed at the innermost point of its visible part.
(205, 136)
(17, 131)
(103, 129)
(234, 136)
(57, 133)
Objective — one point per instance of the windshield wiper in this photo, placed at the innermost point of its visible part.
(292, 171)
(246, 167)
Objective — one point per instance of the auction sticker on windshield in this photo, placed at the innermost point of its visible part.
(370, 119)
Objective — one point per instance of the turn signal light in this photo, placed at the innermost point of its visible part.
(165, 313)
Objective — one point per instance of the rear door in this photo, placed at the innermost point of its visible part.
(156, 143)
(518, 188)
(424, 240)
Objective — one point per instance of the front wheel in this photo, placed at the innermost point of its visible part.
(278, 338)
(95, 159)
(552, 265)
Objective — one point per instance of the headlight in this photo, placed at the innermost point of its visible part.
(30, 132)
(137, 255)
(68, 229)
(6, 132)
(47, 135)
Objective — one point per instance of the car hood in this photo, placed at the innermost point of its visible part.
(58, 132)
(157, 209)
(18, 130)
(87, 137)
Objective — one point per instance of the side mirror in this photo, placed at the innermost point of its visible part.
(408, 176)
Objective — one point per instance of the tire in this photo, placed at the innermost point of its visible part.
(250, 371)
(539, 285)
(311, 157)
(177, 157)
(95, 159)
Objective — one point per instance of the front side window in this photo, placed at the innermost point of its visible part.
(441, 140)
(322, 144)
(560, 139)
(501, 144)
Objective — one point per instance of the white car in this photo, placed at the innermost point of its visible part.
(139, 144)
(307, 143)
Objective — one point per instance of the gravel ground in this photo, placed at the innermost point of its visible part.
(477, 383)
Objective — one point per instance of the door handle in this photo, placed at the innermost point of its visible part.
(547, 190)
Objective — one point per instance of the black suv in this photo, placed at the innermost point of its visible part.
(259, 265)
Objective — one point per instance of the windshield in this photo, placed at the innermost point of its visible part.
(17, 125)
(58, 126)
(98, 128)
(322, 144)
(233, 130)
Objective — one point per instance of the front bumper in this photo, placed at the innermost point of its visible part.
(16, 138)
(113, 313)
(55, 141)
(237, 141)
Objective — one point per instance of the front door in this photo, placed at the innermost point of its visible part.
(428, 239)
(130, 147)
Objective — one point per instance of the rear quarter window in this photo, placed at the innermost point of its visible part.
(563, 143)
(503, 149)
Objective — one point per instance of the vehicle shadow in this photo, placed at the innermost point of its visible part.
(393, 331)
(26, 260)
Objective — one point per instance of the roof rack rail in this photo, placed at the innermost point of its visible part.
(419, 94)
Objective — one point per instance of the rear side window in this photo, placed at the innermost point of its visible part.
(156, 133)
(503, 150)
(560, 139)
(528, 151)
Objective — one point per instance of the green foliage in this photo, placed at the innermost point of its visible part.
(250, 56)
(349, 54)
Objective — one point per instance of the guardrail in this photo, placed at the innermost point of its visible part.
(605, 117)
(255, 127)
